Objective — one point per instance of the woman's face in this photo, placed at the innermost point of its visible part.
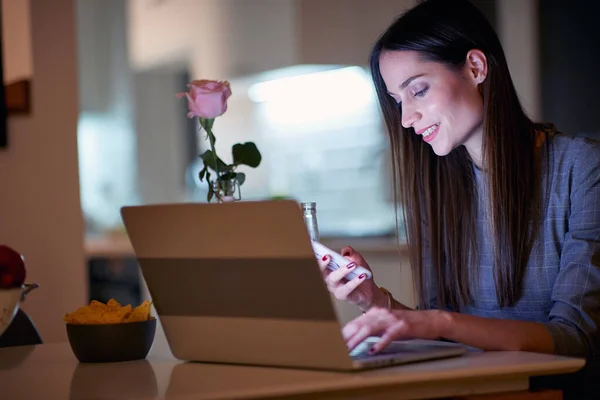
(443, 106)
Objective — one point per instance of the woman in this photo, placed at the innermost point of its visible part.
(502, 214)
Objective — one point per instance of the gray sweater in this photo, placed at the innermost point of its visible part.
(562, 281)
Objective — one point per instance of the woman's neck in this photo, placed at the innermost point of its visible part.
(474, 146)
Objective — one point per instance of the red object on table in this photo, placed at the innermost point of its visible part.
(12, 268)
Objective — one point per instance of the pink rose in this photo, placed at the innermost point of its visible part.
(206, 98)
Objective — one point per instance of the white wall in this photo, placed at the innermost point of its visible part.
(224, 38)
(343, 31)
(160, 139)
(211, 36)
(106, 135)
(40, 213)
(518, 28)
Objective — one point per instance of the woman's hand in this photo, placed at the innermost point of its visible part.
(393, 325)
(359, 291)
(479, 332)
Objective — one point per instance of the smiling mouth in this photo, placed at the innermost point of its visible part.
(429, 130)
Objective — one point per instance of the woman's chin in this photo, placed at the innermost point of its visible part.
(440, 149)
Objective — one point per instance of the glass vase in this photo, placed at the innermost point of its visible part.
(227, 190)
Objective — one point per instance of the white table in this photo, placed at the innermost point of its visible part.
(51, 371)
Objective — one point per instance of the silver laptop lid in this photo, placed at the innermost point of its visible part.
(247, 259)
(218, 269)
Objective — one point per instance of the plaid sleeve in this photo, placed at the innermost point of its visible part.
(574, 318)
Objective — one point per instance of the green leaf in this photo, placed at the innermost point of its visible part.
(241, 178)
(228, 175)
(209, 160)
(203, 172)
(211, 192)
(247, 154)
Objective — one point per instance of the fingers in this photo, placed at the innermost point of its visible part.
(339, 286)
(361, 333)
(339, 274)
(377, 321)
(323, 263)
(343, 291)
(355, 256)
(336, 279)
(392, 333)
(372, 323)
(348, 251)
(352, 327)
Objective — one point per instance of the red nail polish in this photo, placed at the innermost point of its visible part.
(361, 276)
(324, 258)
(371, 351)
(351, 265)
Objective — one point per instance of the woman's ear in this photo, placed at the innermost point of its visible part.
(476, 66)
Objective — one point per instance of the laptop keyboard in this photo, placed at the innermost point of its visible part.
(362, 350)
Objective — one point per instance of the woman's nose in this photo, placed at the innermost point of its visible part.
(409, 116)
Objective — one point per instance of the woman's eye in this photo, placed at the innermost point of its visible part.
(421, 93)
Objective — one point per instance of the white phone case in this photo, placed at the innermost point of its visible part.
(337, 261)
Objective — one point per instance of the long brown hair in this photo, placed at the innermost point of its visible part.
(437, 195)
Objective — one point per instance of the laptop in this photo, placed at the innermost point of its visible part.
(239, 283)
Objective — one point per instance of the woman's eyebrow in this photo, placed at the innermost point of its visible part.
(405, 83)
(409, 80)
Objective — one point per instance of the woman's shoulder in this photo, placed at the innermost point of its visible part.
(567, 149)
(566, 140)
(572, 158)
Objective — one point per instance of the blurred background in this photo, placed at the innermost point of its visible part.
(301, 92)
